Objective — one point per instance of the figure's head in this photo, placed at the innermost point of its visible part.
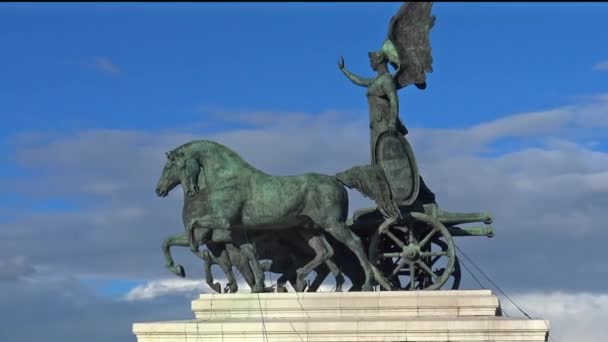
(377, 59)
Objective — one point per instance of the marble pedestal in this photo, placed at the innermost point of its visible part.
(438, 316)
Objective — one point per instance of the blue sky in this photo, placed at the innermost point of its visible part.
(119, 78)
(177, 59)
(174, 61)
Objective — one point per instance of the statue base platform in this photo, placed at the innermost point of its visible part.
(470, 315)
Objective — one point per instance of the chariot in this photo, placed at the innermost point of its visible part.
(419, 253)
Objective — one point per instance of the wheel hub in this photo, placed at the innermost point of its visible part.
(411, 253)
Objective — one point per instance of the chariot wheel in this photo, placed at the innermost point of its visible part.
(438, 265)
(419, 255)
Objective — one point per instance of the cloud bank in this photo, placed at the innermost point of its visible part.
(542, 174)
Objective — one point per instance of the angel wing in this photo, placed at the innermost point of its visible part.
(407, 44)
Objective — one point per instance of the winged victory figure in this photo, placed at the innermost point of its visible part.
(392, 179)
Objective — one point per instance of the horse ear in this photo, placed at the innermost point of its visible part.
(167, 154)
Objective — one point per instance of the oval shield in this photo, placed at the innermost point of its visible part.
(395, 155)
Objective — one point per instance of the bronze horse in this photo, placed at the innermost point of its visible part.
(224, 195)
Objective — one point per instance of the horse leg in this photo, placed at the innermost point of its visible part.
(248, 251)
(333, 268)
(209, 261)
(278, 266)
(287, 269)
(357, 278)
(329, 267)
(181, 240)
(204, 223)
(175, 240)
(241, 263)
(208, 258)
(322, 254)
(281, 281)
(223, 261)
(353, 242)
(324, 270)
(322, 273)
(244, 265)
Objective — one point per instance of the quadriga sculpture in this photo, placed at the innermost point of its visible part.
(405, 243)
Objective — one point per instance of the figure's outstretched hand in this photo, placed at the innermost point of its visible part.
(341, 63)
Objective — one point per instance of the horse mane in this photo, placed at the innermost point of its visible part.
(191, 147)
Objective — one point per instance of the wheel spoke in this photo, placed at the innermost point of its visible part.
(412, 237)
(391, 255)
(402, 263)
(394, 238)
(401, 229)
(412, 275)
(428, 237)
(427, 269)
(433, 254)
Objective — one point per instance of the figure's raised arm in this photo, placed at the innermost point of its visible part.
(358, 80)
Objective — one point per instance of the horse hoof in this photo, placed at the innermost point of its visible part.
(339, 283)
(257, 289)
(233, 288)
(178, 270)
(197, 251)
(300, 285)
(367, 288)
(216, 287)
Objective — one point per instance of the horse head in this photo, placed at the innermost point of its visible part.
(179, 169)
(190, 169)
(171, 176)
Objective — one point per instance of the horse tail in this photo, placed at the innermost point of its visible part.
(371, 182)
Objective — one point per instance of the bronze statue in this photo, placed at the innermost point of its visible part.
(298, 224)
(238, 196)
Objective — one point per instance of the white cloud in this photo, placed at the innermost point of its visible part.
(572, 316)
(164, 287)
(176, 286)
(13, 268)
(105, 65)
(601, 66)
(67, 310)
